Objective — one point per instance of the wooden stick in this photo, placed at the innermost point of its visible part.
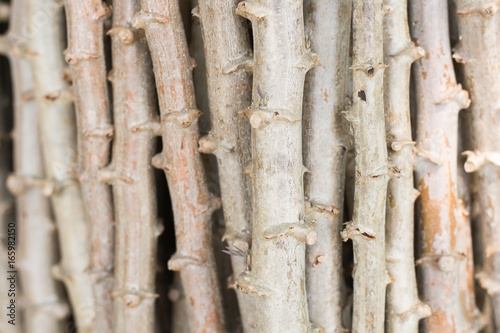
(131, 173)
(180, 159)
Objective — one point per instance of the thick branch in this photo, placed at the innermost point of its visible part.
(57, 131)
(180, 159)
(230, 92)
(131, 173)
(404, 309)
(85, 54)
(478, 51)
(325, 140)
(367, 118)
(278, 263)
(438, 100)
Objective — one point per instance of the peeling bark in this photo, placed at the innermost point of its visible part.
(404, 309)
(279, 228)
(85, 55)
(325, 140)
(229, 67)
(478, 51)
(131, 173)
(57, 131)
(438, 99)
(42, 303)
(180, 159)
(367, 228)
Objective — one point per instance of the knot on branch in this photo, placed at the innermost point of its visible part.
(180, 261)
(416, 312)
(59, 310)
(411, 52)
(303, 232)
(456, 95)
(423, 153)
(104, 133)
(260, 118)
(252, 10)
(123, 34)
(492, 249)
(75, 57)
(18, 184)
(313, 328)
(133, 297)
(209, 145)
(243, 63)
(252, 285)
(153, 127)
(54, 96)
(489, 283)
(398, 145)
(143, 18)
(160, 162)
(352, 230)
(315, 207)
(241, 240)
(482, 8)
(249, 170)
(476, 160)
(444, 262)
(104, 12)
(183, 118)
(369, 68)
(58, 272)
(109, 175)
(308, 61)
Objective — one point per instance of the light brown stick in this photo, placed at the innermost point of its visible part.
(180, 159)
(131, 173)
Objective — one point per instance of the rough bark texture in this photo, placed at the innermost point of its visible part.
(131, 173)
(478, 51)
(404, 309)
(438, 99)
(180, 159)
(57, 132)
(328, 25)
(85, 55)
(372, 173)
(279, 228)
(42, 303)
(229, 66)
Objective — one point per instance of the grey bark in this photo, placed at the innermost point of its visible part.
(326, 138)
(478, 51)
(367, 228)
(279, 229)
(404, 309)
(131, 173)
(42, 43)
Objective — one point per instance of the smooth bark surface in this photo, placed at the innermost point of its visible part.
(367, 228)
(43, 305)
(478, 51)
(192, 204)
(85, 55)
(229, 67)
(131, 173)
(404, 308)
(57, 132)
(279, 229)
(326, 138)
(438, 99)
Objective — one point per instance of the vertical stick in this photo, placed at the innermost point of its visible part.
(180, 159)
(131, 173)
(367, 229)
(85, 55)
(229, 89)
(57, 131)
(326, 137)
(279, 228)
(478, 51)
(404, 309)
(438, 99)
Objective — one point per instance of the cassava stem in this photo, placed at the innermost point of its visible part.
(57, 132)
(438, 100)
(229, 89)
(478, 51)
(180, 159)
(404, 309)
(131, 173)
(43, 307)
(367, 228)
(279, 230)
(85, 55)
(328, 25)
